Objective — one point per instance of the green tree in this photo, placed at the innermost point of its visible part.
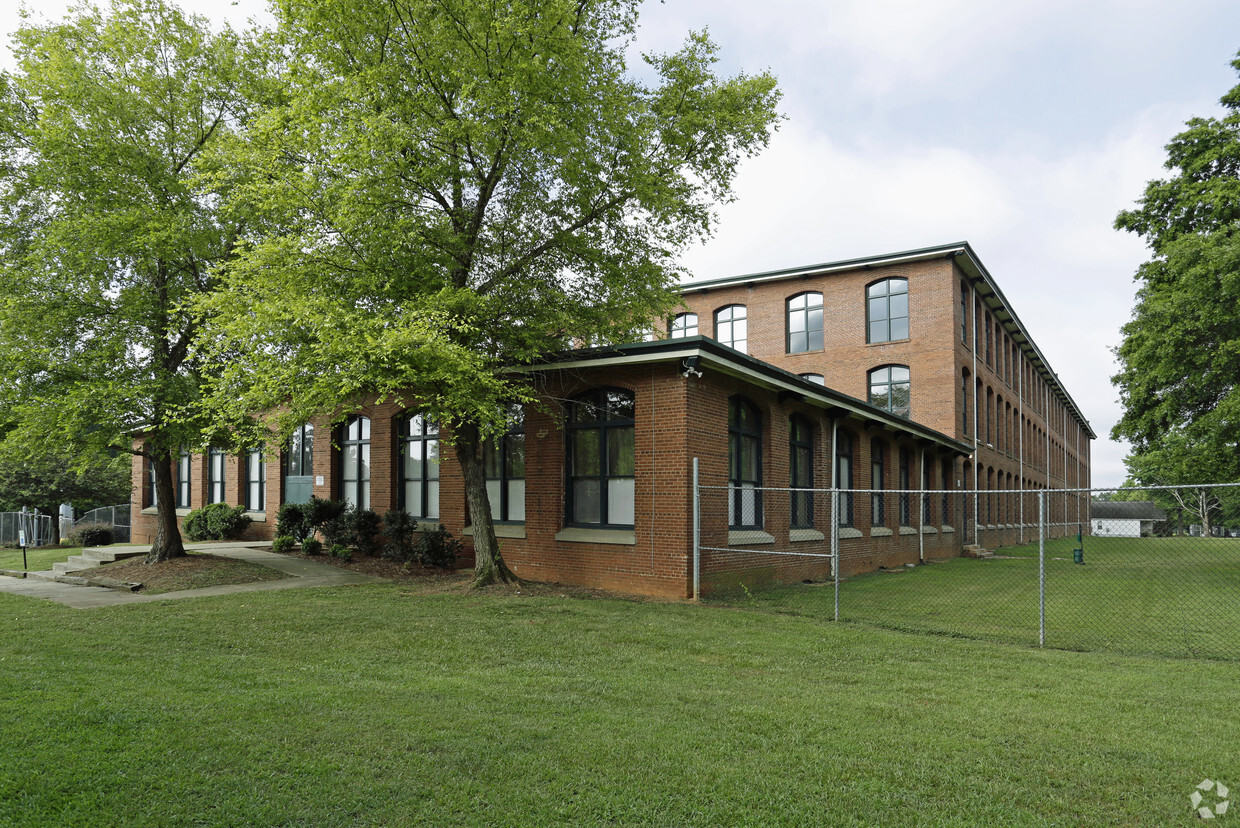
(44, 474)
(1179, 376)
(458, 187)
(104, 236)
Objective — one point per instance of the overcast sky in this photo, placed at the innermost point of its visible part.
(1021, 127)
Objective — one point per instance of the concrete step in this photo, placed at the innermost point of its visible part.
(92, 557)
(975, 551)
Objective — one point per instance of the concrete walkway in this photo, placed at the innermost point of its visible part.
(305, 573)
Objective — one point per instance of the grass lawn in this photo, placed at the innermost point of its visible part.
(397, 704)
(1152, 596)
(37, 560)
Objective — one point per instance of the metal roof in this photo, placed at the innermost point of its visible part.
(717, 356)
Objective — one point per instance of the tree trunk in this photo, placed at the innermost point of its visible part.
(489, 566)
(168, 544)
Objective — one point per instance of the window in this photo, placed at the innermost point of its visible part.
(947, 487)
(878, 515)
(601, 458)
(183, 480)
(817, 379)
(503, 462)
(744, 464)
(298, 463)
(154, 492)
(801, 471)
(927, 483)
(419, 466)
(988, 336)
(889, 389)
(805, 323)
(886, 310)
(686, 324)
(215, 475)
(964, 404)
(355, 462)
(732, 327)
(964, 313)
(906, 483)
(844, 476)
(255, 480)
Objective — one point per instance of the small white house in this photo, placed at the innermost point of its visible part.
(1124, 518)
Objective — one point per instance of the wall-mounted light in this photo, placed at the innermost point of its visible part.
(690, 366)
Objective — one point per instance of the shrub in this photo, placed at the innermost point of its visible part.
(291, 522)
(328, 518)
(438, 548)
(283, 544)
(341, 552)
(312, 546)
(365, 531)
(216, 521)
(401, 530)
(92, 534)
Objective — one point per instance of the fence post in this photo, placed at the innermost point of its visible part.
(835, 547)
(697, 534)
(1041, 568)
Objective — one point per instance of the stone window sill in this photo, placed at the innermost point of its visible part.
(502, 530)
(622, 537)
(880, 532)
(797, 535)
(748, 537)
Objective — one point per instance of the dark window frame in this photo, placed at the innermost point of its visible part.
(743, 437)
(874, 380)
(255, 483)
(878, 482)
(355, 432)
(844, 476)
(679, 329)
(813, 338)
(887, 318)
(498, 464)
(731, 321)
(801, 471)
(605, 409)
(215, 474)
(426, 434)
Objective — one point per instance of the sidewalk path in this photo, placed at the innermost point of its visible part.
(305, 573)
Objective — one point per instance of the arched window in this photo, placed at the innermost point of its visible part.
(805, 323)
(744, 464)
(732, 327)
(355, 462)
(602, 458)
(817, 379)
(886, 310)
(878, 482)
(215, 475)
(889, 389)
(964, 403)
(255, 480)
(298, 462)
(419, 466)
(685, 324)
(503, 460)
(844, 476)
(801, 470)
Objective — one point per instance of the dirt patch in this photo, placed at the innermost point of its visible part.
(194, 571)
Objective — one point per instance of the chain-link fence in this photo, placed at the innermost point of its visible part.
(117, 516)
(1157, 572)
(38, 528)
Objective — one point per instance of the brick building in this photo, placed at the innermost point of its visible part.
(906, 380)
(929, 335)
(593, 484)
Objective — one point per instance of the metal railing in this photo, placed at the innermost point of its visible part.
(117, 516)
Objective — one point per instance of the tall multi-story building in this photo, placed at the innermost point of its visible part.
(790, 420)
(926, 334)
